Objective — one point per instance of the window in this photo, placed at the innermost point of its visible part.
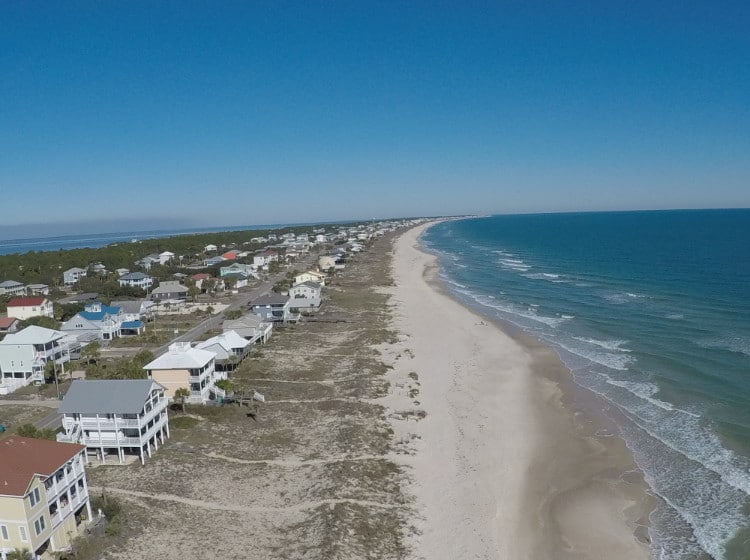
(34, 497)
(22, 532)
(39, 525)
(4, 533)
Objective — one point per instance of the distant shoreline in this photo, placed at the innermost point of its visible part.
(99, 240)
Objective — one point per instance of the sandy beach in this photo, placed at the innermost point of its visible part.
(503, 466)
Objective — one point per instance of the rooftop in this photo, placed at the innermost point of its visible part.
(33, 335)
(23, 458)
(107, 396)
(27, 301)
(134, 276)
(181, 356)
(6, 322)
(270, 299)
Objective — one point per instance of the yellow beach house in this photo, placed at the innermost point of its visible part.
(183, 366)
(44, 496)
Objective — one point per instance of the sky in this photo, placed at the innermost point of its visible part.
(211, 113)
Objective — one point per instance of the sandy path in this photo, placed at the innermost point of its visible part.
(501, 469)
(203, 504)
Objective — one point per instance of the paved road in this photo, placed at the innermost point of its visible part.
(238, 302)
(53, 420)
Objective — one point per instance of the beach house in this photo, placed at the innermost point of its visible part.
(274, 308)
(12, 288)
(326, 262)
(8, 325)
(37, 289)
(250, 327)
(24, 355)
(136, 280)
(311, 276)
(96, 321)
(26, 307)
(44, 496)
(229, 347)
(183, 366)
(248, 270)
(115, 417)
(73, 275)
(305, 297)
(169, 290)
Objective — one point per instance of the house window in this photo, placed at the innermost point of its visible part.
(4, 533)
(22, 533)
(39, 525)
(34, 497)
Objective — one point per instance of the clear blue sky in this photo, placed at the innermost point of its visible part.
(242, 113)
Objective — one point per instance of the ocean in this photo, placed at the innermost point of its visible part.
(650, 311)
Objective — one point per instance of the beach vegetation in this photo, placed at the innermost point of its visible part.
(233, 314)
(181, 395)
(20, 554)
(31, 431)
(41, 321)
(182, 422)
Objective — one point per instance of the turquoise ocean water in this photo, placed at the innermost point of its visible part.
(651, 311)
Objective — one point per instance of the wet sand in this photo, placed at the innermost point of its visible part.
(505, 464)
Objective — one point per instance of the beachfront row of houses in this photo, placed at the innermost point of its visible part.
(44, 493)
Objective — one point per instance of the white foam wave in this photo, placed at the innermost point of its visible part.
(453, 283)
(620, 298)
(618, 362)
(675, 316)
(514, 310)
(606, 344)
(643, 390)
(514, 264)
(707, 484)
(545, 276)
(732, 343)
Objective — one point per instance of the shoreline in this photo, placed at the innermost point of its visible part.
(570, 489)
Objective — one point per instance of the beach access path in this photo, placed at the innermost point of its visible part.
(501, 469)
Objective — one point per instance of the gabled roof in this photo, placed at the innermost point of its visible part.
(27, 301)
(7, 322)
(131, 325)
(24, 458)
(10, 284)
(75, 269)
(100, 315)
(107, 396)
(227, 340)
(135, 306)
(32, 335)
(201, 276)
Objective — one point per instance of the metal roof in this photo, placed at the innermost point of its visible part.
(107, 396)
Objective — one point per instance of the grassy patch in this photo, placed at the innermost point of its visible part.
(182, 422)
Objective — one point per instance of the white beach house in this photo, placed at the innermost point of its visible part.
(24, 354)
(115, 416)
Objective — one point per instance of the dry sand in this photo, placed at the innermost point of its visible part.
(502, 466)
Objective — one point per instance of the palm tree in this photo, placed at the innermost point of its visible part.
(181, 395)
(20, 554)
